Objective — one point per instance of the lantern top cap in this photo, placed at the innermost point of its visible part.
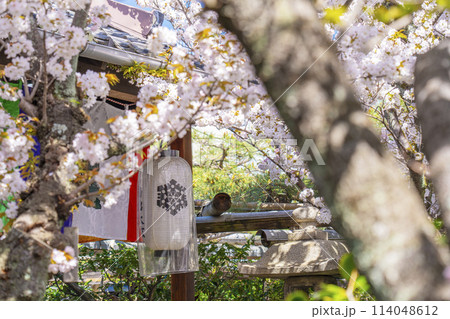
(170, 153)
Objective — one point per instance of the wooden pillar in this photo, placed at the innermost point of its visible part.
(182, 285)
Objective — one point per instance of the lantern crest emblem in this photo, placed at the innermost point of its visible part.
(172, 197)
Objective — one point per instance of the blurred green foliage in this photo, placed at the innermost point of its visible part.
(444, 4)
(241, 186)
(223, 163)
(118, 270)
(387, 14)
(137, 70)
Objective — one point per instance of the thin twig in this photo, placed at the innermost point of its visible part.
(37, 82)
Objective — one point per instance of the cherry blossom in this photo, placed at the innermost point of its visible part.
(62, 261)
(93, 85)
(14, 146)
(91, 146)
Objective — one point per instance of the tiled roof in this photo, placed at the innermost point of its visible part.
(129, 27)
(119, 39)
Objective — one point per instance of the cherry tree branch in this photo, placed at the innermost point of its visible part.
(28, 108)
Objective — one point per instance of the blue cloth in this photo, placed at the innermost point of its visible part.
(67, 223)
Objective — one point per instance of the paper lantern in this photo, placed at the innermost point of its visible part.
(167, 220)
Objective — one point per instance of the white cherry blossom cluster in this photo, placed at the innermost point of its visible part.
(226, 71)
(20, 45)
(127, 128)
(52, 19)
(111, 178)
(14, 147)
(108, 174)
(306, 194)
(175, 11)
(62, 40)
(92, 147)
(17, 68)
(69, 167)
(159, 37)
(380, 63)
(324, 216)
(69, 42)
(112, 197)
(16, 22)
(284, 158)
(71, 5)
(7, 92)
(62, 261)
(98, 17)
(11, 210)
(93, 85)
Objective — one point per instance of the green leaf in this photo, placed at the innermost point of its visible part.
(361, 283)
(74, 101)
(438, 223)
(331, 293)
(347, 264)
(297, 296)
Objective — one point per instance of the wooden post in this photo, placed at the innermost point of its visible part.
(182, 285)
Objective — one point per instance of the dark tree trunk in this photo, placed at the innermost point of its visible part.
(432, 85)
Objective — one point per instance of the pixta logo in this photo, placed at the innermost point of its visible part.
(309, 151)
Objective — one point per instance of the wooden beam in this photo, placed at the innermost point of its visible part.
(253, 206)
(122, 96)
(182, 285)
(234, 222)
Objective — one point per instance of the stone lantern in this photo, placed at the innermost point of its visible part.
(306, 259)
